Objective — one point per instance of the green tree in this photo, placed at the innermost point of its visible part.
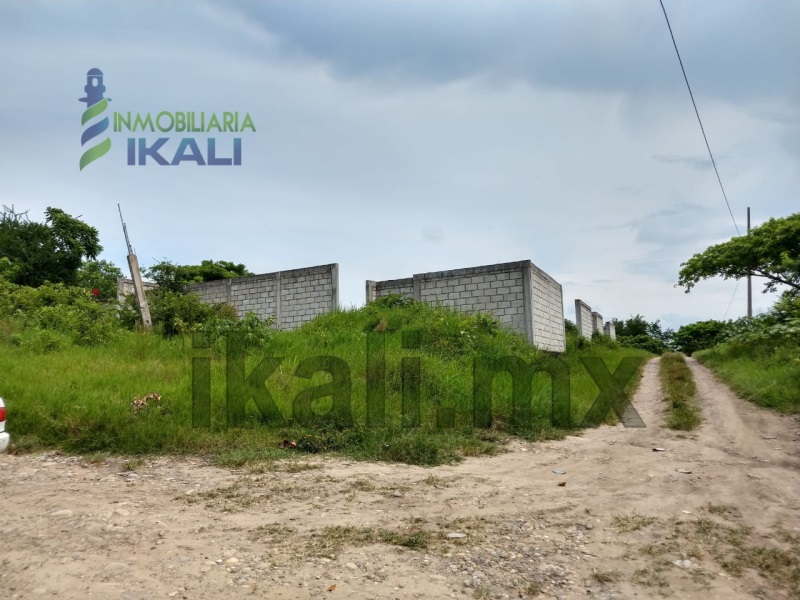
(701, 335)
(771, 251)
(101, 275)
(637, 332)
(51, 251)
(172, 277)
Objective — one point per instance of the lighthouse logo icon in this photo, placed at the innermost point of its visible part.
(96, 105)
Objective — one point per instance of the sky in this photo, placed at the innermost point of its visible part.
(401, 137)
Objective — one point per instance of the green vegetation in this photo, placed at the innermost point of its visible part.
(679, 390)
(172, 277)
(771, 251)
(33, 253)
(701, 335)
(78, 373)
(760, 357)
(637, 332)
(74, 391)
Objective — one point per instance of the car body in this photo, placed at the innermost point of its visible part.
(4, 437)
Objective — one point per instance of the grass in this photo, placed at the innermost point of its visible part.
(632, 522)
(333, 538)
(733, 547)
(766, 373)
(78, 399)
(680, 392)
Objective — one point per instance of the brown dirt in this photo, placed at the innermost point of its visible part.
(181, 528)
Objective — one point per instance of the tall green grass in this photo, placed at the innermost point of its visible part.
(78, 398)
(680, 392)
(766, 372)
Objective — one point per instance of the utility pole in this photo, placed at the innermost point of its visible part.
(749, 277)
(138, 286)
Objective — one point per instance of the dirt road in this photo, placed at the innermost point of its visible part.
(627, 523)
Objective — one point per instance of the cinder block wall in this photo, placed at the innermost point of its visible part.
(521, 296)
(583, 318)
(597, 323)
(548, 312)
(294, 297)
(610, 330)
(125, 288)
(379, 289)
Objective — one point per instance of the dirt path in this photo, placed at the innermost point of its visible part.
(626, 524)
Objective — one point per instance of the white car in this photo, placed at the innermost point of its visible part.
(3, 435)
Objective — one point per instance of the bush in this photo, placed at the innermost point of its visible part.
(255, 333)
(178, 313)
(55, 316)
(699, 336)
(643, 342)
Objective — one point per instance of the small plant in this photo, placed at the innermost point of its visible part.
(680, 392)
(632, 522)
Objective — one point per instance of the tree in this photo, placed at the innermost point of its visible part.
(172, 277)
(101, 275)
(51, 251)
(771, 251)
(701, 335)
(637, 332)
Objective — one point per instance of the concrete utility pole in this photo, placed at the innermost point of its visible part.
(138, 287)
(749, 277)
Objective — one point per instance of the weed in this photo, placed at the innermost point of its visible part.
(679, 389)
(632, 522)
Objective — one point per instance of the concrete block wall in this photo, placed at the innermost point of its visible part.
(548, 312)
(597, 323)
(522, 297)
(125, 287)
(379, 289)
(583, 318)
(610, 330)
(293, 297)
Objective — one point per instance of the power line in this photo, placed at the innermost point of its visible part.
(686, 79)
(732, 297)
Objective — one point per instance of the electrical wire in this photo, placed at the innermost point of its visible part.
(732, 297)
(691, 95)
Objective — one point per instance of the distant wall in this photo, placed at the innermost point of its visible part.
(293, 297)
(522, 297)
(597, 323)
(379, 289)
(583, 318)
(125, 288)
(610, 330)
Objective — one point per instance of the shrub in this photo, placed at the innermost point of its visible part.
(254, 333)
(643, 342)
(178, 313)
(55, 316)
(701, 335)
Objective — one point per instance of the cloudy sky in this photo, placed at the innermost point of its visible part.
(401, 137)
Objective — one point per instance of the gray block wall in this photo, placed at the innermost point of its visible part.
(125, 287)
(597, 323)
(610, 330)
(583, 318)
(293, 297)
(379, 289)
(522, 297)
